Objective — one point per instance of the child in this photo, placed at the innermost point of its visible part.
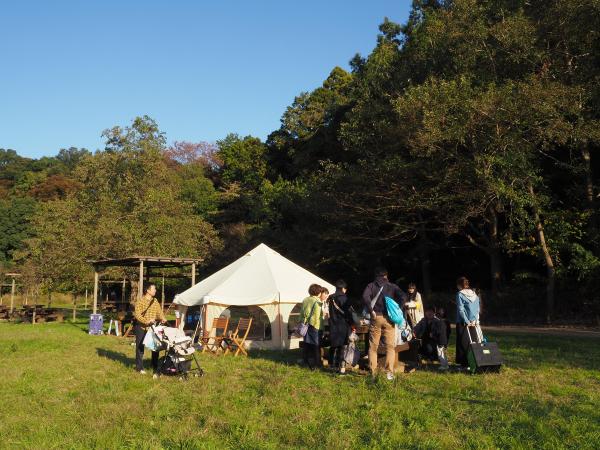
(414, 305)
(441, 314)
(434, 342)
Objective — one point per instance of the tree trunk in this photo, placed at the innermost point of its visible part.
(589, 182)
(425, 269)
(550, 270)
(494, 253)
(589, 192)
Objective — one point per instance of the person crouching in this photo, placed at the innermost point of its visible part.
(434, 340)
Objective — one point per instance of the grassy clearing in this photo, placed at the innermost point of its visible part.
(63, 388)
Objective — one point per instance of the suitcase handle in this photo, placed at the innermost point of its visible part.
(479, 334)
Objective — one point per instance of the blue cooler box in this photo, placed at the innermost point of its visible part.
(96, 324)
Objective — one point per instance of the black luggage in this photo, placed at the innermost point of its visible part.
(483, 356)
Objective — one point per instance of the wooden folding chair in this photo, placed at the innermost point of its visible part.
(237, 339)
(213, 343)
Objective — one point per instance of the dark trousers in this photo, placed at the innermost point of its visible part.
(139, 349)
(311, 355)
(462, 344)
(336, 356)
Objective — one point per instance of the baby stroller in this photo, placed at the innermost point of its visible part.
(179, 353)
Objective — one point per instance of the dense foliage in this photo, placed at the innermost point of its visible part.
(466, 142)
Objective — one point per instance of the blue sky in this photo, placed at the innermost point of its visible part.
(202, 69)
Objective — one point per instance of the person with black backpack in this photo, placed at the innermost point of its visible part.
(339, 326)
(375, 303)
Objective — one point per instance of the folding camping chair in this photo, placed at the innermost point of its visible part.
(237, 339)
(213, 343)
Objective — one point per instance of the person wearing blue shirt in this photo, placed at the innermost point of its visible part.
(467, 315)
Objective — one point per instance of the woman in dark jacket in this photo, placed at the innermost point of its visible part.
(339, 325)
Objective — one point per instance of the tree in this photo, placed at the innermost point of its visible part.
(128, 204)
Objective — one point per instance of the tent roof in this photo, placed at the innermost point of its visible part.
(260, 277)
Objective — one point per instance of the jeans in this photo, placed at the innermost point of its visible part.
(139, 350)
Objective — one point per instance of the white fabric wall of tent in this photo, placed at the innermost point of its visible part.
(261, 278)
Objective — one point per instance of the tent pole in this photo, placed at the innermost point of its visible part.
(280, 324)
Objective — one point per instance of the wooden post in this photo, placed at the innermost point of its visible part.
(95, 307)
(1, 285)
(141, 285)
(74, 307)
(123, 287)
(193, 273)
(12, 296)
(33, 316)
(162, 299)
(86, 297)
(27, 296)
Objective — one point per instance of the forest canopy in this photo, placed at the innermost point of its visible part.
(466, 142)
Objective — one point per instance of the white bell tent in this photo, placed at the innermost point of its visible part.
(262, 278)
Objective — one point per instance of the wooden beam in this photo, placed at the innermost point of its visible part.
(162, 298)
(193, 273)
(96, 278)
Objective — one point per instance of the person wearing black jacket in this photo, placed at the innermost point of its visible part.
(339, 325)
(434, 339)
(374, 300)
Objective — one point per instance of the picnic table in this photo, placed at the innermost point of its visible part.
(41, 314)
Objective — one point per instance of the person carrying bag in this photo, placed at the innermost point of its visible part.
(146, 313)
(374, 299)
(311, 325)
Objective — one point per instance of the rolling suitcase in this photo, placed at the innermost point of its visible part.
(483, 356)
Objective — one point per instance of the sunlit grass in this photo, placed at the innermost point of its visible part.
(63, 388)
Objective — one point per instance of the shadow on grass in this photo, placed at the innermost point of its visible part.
(519, 351)
(534, 352)
(127, 361)
(286, 357)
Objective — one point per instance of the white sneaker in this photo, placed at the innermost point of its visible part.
(342, 370)
(390, 376)
(155, 376)
(142, 372)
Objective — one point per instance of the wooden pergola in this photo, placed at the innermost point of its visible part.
(13, 286)
(144, 263)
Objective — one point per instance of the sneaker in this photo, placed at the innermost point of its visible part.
(390, 376)
(142, 372)
(155, 376)
(342, 370)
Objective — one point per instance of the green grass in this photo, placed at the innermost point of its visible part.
(64, 389)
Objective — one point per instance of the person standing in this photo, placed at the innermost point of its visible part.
(374, 301)
(414, 305)
(467, 315)
(312, 315)
(339, 326)
(146, 313)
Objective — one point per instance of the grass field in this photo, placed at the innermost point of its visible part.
(64, 389)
